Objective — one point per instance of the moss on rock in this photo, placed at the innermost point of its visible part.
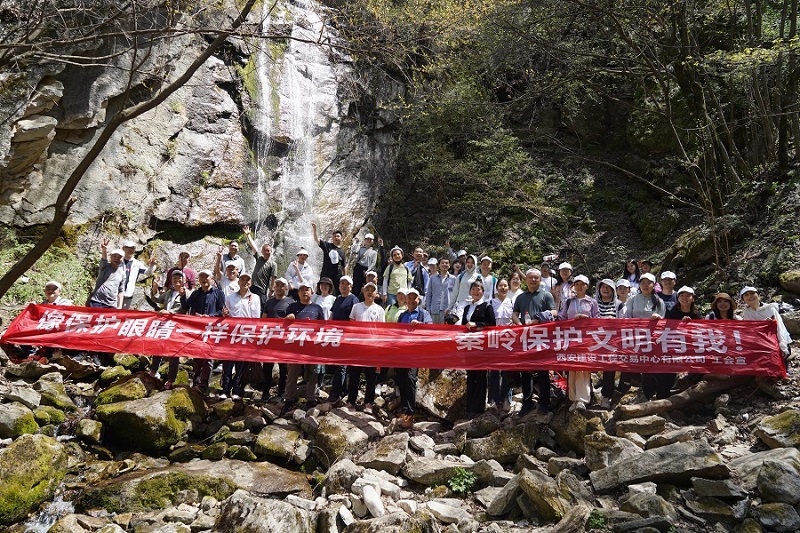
(112, 374)
(132, 389)
(47, 414)
(30, 470)
(15, 420)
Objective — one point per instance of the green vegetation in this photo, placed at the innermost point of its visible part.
(462, 481)
(596, 521)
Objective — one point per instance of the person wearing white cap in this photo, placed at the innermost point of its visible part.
(109, 288)
(370, 277)
(207, 300)
(395, 276)
(440, 292)
(52, 294)
(684, 309)
(303, 309)
(623, 292)
(239, 304)
(333, 259)
(575, 308)
(276, 307)
(647, 305)
(456, 257)
(396, 308)
(407, 377)
(366, 260)
(133, 269)
(228, 280)
(265, 269)
(341, 310)
(433, 269)
(298, 271)
(608, 306)
(755, 310)
(366, 311)
(489, 280)
(563, 287)
(419, 271)
(667, 293)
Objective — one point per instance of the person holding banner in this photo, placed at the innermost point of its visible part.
(206, 301)
(407, 377)
(242, 304)
(577, 307)
(302, 310)
(646, 304)
(171, 303)
(366, 311)
(478, 314)
(755, 310)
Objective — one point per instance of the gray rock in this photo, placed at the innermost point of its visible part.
(154, 423)
(780, 431)
(23, 394)
(90, 431)
(603, 450)
(647, 487)
(671, 437)
(557, 464)
(301, 503)
(422, 442)
(185, 514)
(779, 481)
(506, 499)
(447, 448)
(441, 393)
(644, 525)
(505, 444)
(447, 514)
(479, 426)
(372, 500)
(544, 454)
(485, 470)
(644, 426)
(341, 476)
(649, 505)
(346, 516)
(544, 494)
(30, 370)
(718, 488)
(780, 517)
(53, 393)
(244, 512)
(748, 466)
(394, 523)
(344, 434)
(388, 454)
(428, 471)
(710, 508)
(275, 441)
(15, 420)
(486, 495)
(675, 464)
(203, 522)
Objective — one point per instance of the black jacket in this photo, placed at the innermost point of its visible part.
(482, 316)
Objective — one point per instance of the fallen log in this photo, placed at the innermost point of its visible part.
(698, 392)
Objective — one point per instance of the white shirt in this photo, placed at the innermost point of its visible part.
(503, 311)
(770, 312)
(136, 269)
(294, 279)
(325, 302)
(362, 312)
(247, 306)
(548, 283)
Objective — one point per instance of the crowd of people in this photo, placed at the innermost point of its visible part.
(457, 288)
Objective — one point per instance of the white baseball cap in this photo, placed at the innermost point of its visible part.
(412, 291)
(686, 289)
(302, 251)
(402, 290)
(432, 261)
(369, 273)
(668, 274)
(369, 236)
(460, 253)
(117, 251)
(205, 271)
(348, 279)
(305, 284)
(623, 283)
(647, 276)
(282, 280)
(129, 244)
(747, 289)
(370, 284)
(565, 265)
(53, 283)
(486, 258)
(582, 278)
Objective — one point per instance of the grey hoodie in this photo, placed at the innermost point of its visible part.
(467, 276)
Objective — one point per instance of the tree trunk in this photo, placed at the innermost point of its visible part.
(701, 391)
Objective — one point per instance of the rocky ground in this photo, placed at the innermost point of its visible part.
(103, 448)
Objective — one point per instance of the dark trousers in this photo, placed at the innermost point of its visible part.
(659, 385)
(543, 384)
(498, 388)
(358, 279)
(406, 379)
(283, 372)
(354, 379)
(476, 391)
(232, 383)
(201, 368)
(174, 362)
(338, 378)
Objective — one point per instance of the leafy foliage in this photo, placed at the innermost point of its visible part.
(462, 481)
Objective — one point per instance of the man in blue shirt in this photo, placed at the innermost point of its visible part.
(206, 301)
(407, 377)
(302, 310)
(341, 309)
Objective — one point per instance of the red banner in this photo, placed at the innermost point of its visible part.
(646, 346)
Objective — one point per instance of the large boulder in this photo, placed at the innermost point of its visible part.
(132, 389)
(16, 420)
(674, 464)
(152, 424)
(51, 387)
(790, 280)
(442, 393)
(343, 434)
(779, 481)
(243, 512)
(748, 467)
(505, 444)
(603, 450)
(430, 471)
(23, 394)
(162, 487)
(388, 454)
(30, 470)
(782, 430)
(280, 442)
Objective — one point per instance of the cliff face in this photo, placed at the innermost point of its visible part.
(271, 132)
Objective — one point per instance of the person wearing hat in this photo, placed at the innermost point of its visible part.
(723, 308)
(370, 277)
(238, 304)
(406, 378)
(456, 257)
(579, 307)
(277, 307)
(182, 265)
(548, 280)
(341, 310)
(52, 294)
(228, 280)
(366, 260)
(563, 287)
(433, 267)
(303, 309)
(396, 308)
(647, 305)
(667, 293)
(133, 269)
(478, 314)
(461, 290)
(207, 300)
(755, 310)
(608, 306)
(440, 292)
(298, 271)
(109, 288)
(171, 303)
(324, 296)
(623, 293)
(395, 276)
(265, 269)
(231, 256)
(489, 280)
(366, 311)
(333, 259)
(419, 271)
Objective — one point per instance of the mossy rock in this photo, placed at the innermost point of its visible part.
(781, 431)
(47, 414)
(15, 420)
(278, 442)
(132, 389)
(215, 452)
(152, 424)
(55, 395)
(130, 361)
(90, 431)
(790, 281)
(30, 470)
(241, 453)
(184, 454)
(112, 374)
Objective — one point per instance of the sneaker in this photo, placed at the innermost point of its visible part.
(605, 403)
(368, 408)
(577, 407)
(406, 421)
(491, 405)
(168, 385)
(222, 396)
(235, 397)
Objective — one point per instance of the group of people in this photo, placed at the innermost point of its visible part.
(457, 288)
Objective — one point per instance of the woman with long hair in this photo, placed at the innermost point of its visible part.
(648, 305)
(563, 287)
(723, 308)
(632, 274)
(324, 296)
